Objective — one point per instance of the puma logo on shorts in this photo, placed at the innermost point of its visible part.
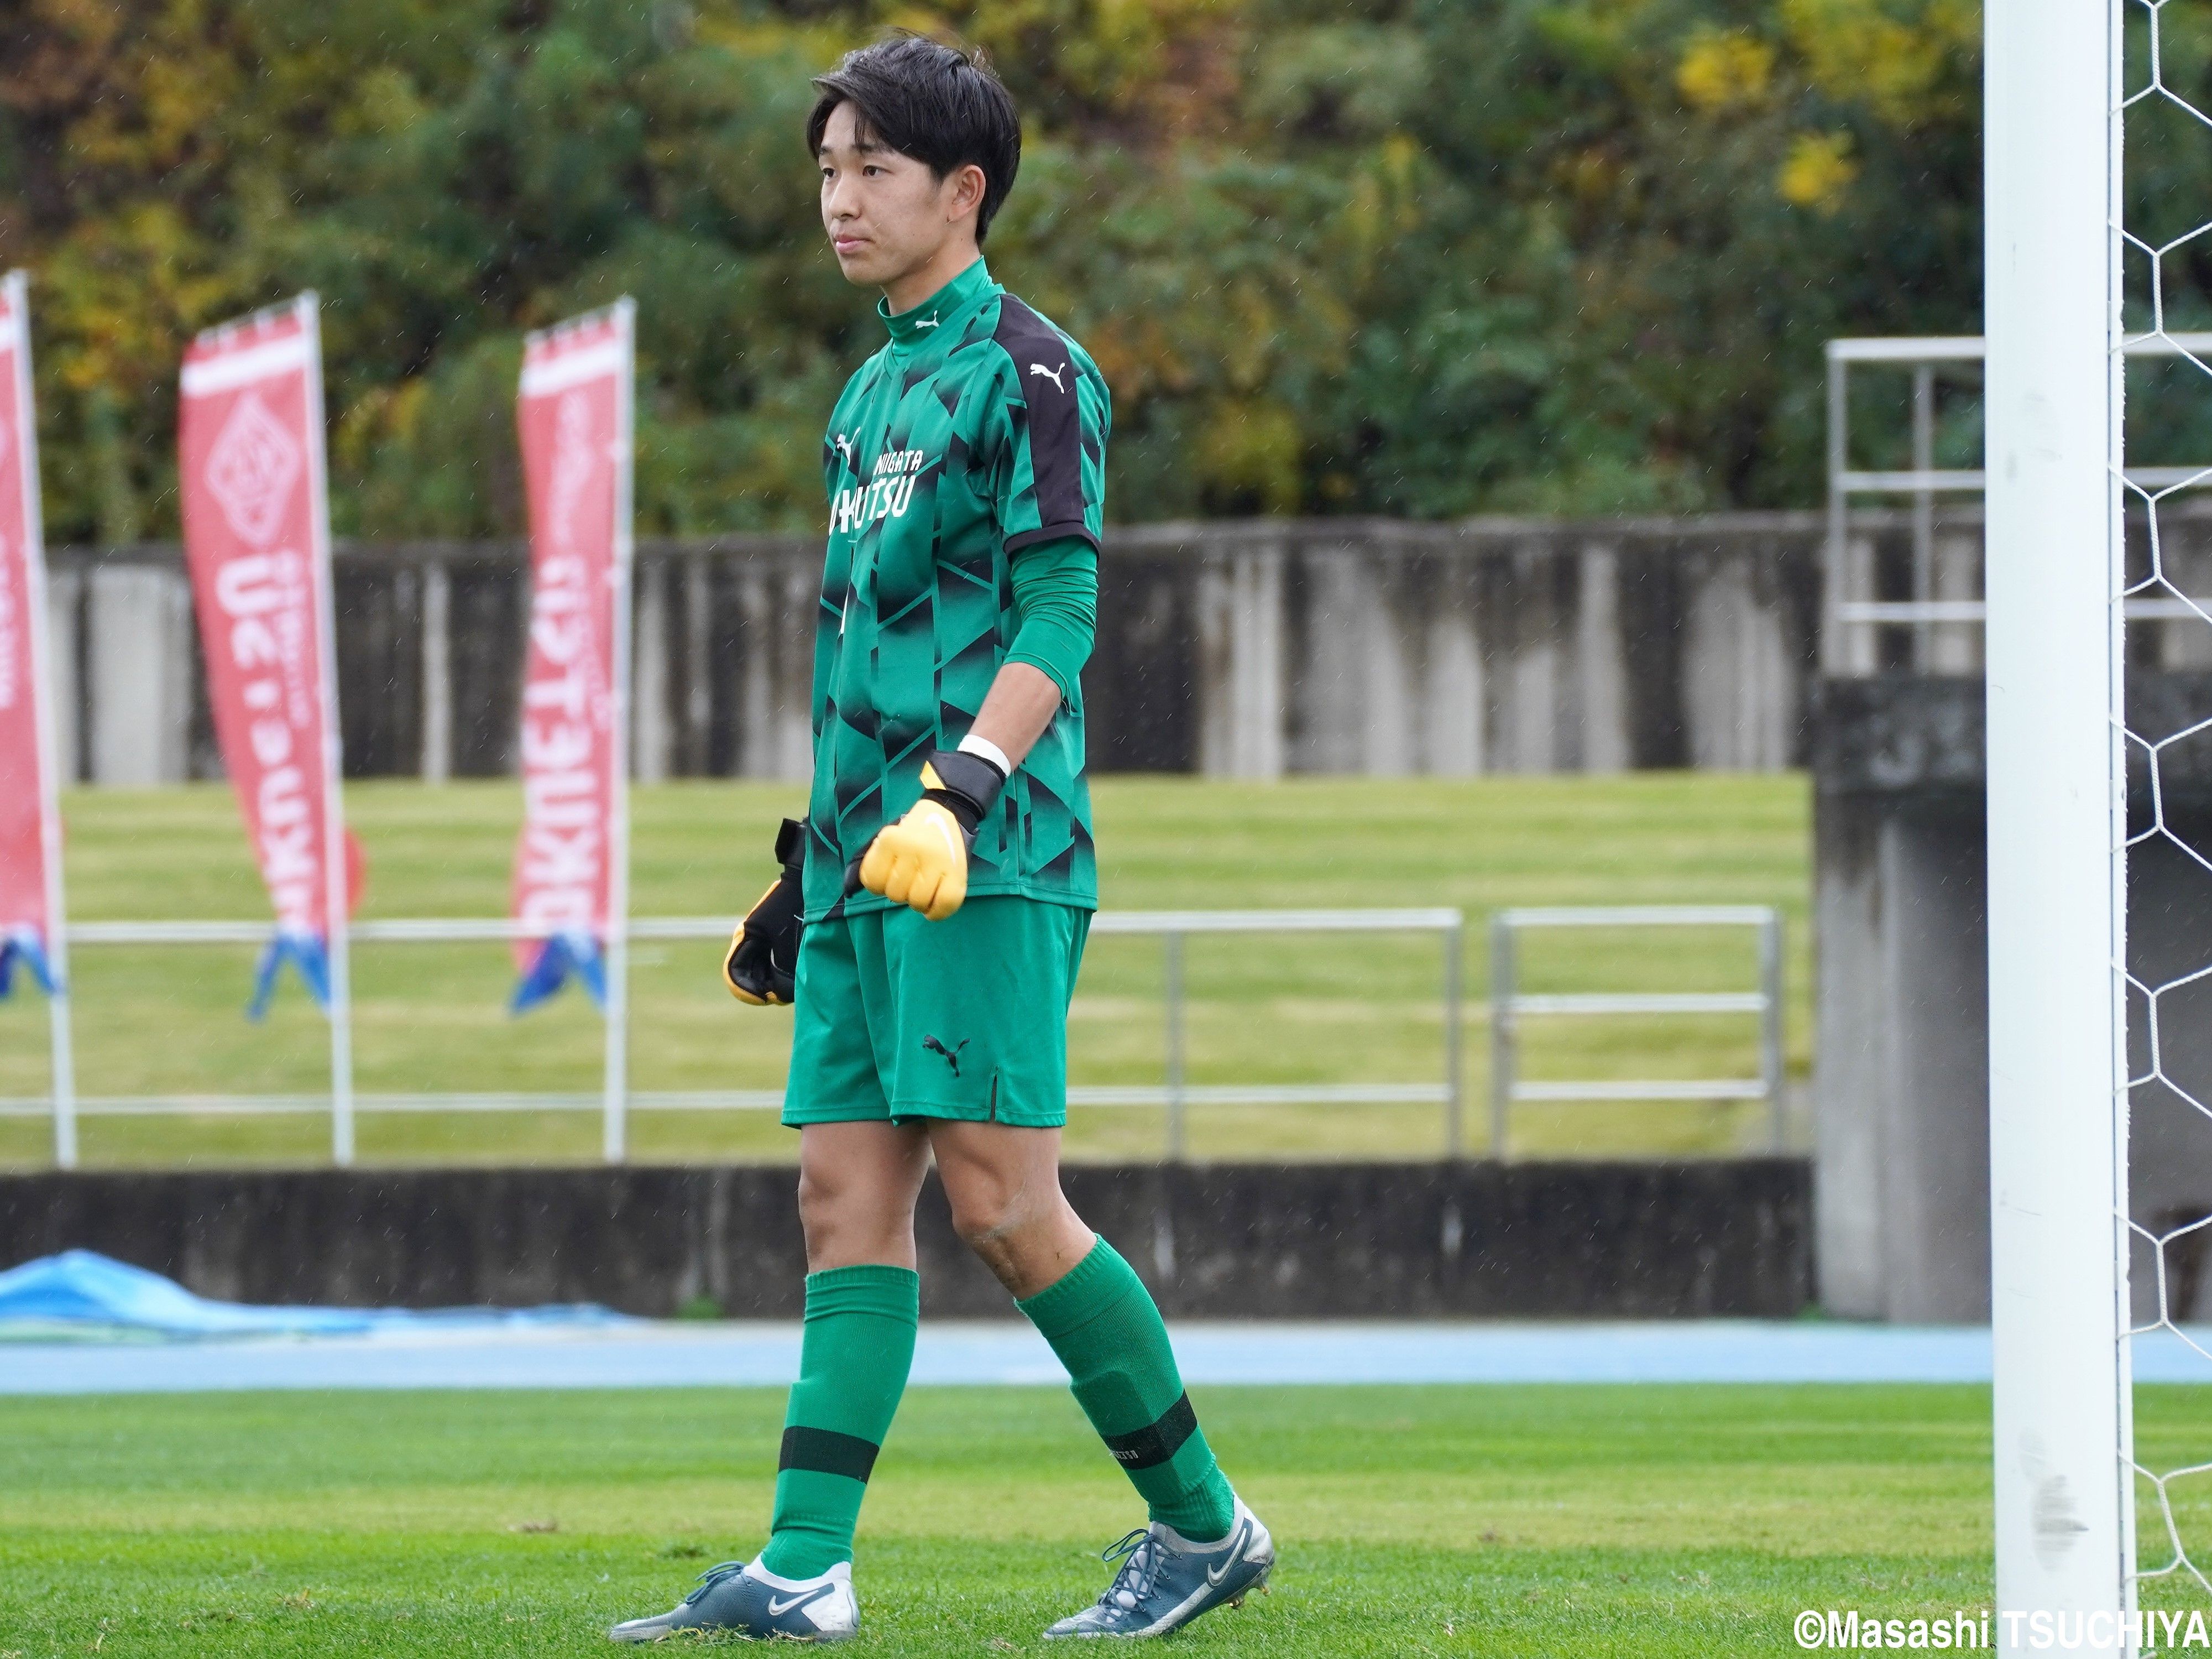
(951, 1055)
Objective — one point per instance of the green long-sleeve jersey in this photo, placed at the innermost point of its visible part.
(978, 430)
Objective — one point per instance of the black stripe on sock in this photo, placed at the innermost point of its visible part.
(1153, 1445)
(827, 1452)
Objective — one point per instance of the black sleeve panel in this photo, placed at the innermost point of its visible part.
(1048, 387)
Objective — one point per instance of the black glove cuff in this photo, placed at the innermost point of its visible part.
(970, 784)
(791, 844)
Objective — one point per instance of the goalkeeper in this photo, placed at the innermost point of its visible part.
(945, 871)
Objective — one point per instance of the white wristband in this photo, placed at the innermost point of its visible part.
(972, 745)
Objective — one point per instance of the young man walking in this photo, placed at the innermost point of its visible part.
(945, 874)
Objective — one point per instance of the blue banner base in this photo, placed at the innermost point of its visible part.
(23, 948)
(563, 956)
(305, 952)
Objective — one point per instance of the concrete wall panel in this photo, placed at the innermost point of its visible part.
(139, 666)
(652, 733)
(1453, 675)
(1901, 1084)
(1601, 661)
(1239, 649)
(1934, 986)
(65, 670)
(1243, 697)
(1851, 1071)
(1698, 1239)
(1740, 684)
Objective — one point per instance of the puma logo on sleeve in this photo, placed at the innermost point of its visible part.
(1052, 375)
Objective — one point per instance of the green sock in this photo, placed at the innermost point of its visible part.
(1102, 1323)
(853, 1361)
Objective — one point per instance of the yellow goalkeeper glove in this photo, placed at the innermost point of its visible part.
(923, 859)
(762, 964)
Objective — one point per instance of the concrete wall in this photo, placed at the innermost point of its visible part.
(1312, 1240)
(1901, 1084)
(139, 671)
(1245, 649)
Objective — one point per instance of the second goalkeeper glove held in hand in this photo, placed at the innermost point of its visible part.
(762, 964)
(923, 859)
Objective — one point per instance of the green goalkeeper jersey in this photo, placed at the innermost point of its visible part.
(978, 430)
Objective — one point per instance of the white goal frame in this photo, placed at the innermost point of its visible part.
(2055, 578)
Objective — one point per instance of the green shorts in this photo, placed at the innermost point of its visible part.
(896, 1016)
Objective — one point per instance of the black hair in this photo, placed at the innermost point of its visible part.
(938, 104)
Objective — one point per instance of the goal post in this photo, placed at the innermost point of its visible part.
(2056, 810)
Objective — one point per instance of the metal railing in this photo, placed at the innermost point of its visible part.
(1509, 1006)
(1176, 1094)
(1944, 592)
(1175, 926)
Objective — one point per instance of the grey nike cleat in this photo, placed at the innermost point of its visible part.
(737, 1599)
(1167, 1581)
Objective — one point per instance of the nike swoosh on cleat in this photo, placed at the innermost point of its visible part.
(1236, 1555)
(776, 1609)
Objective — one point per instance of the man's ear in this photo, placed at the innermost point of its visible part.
(968, 187)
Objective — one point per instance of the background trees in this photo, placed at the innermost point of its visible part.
(1424, 257)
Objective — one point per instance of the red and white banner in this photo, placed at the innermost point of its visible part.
(30, 827)
(571, 866)
(257, 541)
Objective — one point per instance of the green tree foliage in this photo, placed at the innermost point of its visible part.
(1427, 257)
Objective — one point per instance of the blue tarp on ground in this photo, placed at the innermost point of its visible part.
(82, 1291)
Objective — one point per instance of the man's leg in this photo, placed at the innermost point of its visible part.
(982, 1056)
(857, 1183)
(1004, 1186)
(858, 1173)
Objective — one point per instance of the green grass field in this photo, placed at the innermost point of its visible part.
(1505, 1520)
(1332, 1008)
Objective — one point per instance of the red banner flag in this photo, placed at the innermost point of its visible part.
(30, 827)
(257, 541)
(571, 866)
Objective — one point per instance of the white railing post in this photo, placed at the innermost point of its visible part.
(1924, 507)
(1501, 1034)
(1177, 1145)
(337, 888)
(2056, 823)
(614, 1137)
(62, 1043)
(1771, 1057)
(45, 694)
(1835, 568)
(1455, 1041)
(437, 756)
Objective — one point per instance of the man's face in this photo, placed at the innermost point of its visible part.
(887, 214)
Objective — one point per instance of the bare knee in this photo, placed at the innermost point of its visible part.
(847, 1223)
(1003, 1186)
(856, 1199)
(825, 1205)
(985, 1209)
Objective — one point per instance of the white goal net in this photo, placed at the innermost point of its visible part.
(2166, 595)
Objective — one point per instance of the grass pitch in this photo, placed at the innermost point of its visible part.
(1505, 1521)
(1263, 1009)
